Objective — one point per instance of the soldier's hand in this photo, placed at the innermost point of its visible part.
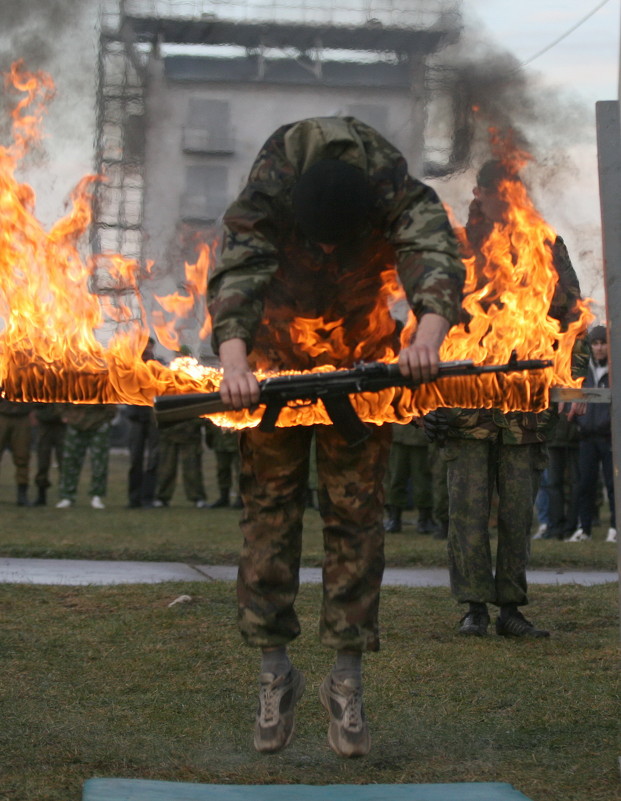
(239, 388)
(419, 361)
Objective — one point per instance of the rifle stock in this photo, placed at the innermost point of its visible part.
(333, 388)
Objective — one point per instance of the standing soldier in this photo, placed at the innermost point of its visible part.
(328, 207)
(16, 436)
(488, 449)
(181, 442)
(88, 429)
(50, 442)
(409, 467)
(225, 444)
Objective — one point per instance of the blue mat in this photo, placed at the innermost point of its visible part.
(145, 790)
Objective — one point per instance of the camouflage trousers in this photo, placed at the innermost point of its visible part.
(227, 470)
(190, 454)
(97, 441)
(273, 484)
(409, 463)
(475, 469)
(15, 435)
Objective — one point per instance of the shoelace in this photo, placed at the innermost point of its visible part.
(352, 714)
(269, 707)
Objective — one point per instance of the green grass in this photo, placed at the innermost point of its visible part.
(112, 682)
(183, 533)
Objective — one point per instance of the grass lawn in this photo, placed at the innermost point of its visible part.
(183, 533)
(112, 682)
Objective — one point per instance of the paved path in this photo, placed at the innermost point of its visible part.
(76, 572)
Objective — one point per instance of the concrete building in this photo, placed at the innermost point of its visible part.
(186, 101)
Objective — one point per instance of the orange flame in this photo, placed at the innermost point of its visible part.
(51, 348)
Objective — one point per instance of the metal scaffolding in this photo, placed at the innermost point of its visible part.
(119, 146)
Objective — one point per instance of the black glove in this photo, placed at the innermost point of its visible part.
(436, 426)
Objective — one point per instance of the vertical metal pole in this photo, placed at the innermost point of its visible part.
(609, 166)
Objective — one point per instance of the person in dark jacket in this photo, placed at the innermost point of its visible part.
(143, 449)
(50, 442)
(595, 442)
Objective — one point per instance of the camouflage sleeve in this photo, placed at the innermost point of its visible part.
(248, 257)
(564, 305)
(428, 260)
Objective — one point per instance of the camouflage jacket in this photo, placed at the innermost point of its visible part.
(268, 273)
(522, 428)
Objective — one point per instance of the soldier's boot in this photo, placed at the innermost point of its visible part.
(425, 523)
(392, 524)
(41, 497)
(22, 495)
(222, 502)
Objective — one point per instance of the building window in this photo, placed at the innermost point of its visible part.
(208, 127)
(205, 195)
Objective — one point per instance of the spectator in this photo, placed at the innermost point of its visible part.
(181, 442)
(16, 436)
(143, 441)
(408, 466)
(50, 442)
(562, 482)
(595, 442)
(487, 450)
(542, 506)
(225, 444)
(88, 429)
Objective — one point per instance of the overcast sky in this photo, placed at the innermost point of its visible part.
(585, 62)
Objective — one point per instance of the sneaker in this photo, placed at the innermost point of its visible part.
(97, 503)
(612, 535)
(579, 536)
(202, 504)
(64, 503)
(516, 625)
(348, 733)
(275, 719)
(158, 504)
(541, 531)
(474, 624)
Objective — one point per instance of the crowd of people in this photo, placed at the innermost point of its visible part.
(58, 436)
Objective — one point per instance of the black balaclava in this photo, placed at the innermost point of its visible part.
(332, 202)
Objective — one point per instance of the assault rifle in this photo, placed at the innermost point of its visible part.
(332, 388)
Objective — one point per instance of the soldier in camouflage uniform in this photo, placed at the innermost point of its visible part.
(181, 442)
(225, 444)
(488, 449)
(328, 206)
(409, 462)
(88, 429)
(16, 436)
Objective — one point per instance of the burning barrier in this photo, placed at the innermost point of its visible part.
(49, 350)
